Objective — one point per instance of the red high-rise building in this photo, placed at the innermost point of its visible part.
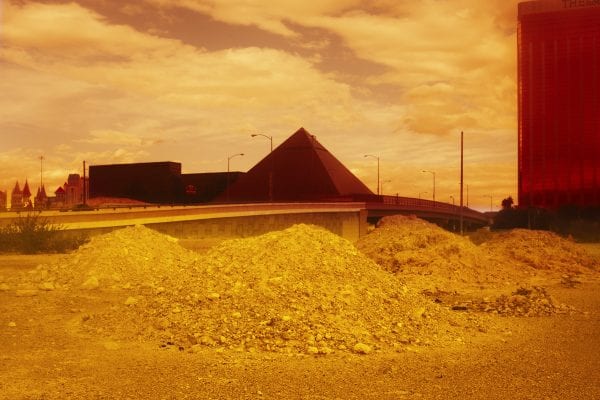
(559, 103)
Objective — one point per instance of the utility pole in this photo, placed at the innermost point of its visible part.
(461, 181)
(84, 185)
(41, 172)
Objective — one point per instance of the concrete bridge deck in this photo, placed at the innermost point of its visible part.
(348, 219)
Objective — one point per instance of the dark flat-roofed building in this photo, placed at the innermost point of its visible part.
(157, 182)
(152, 182)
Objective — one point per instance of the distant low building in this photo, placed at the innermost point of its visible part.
(41, 199)
(16, 198)
(74, 189)
(59, 199)
(157, 182)
(3, 198)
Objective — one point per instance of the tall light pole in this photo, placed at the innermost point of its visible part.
(228, 162)
(41, 172)
(370, 155)
(432, 173)
(452, 197)
(491, 202)
(268, 137)
(462, 182)
(272, 167)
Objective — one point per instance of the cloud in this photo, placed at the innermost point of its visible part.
(399, 79)
(460, 42)
(271, 17)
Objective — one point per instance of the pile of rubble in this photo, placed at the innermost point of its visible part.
(540, 250)
(130, 257)
(413, 248)
(524, 302)
(303, 289)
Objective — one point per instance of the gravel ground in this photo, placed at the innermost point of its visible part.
(45, 356)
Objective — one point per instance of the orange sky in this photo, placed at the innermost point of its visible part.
(189, 80)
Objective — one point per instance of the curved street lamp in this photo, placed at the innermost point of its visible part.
(228, 162)
(432, 173)
(263, 135)
(370, 155)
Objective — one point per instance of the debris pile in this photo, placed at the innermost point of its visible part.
(134, 256)
(524, 302)
(412, 247)
(300, 290)
(540, 250)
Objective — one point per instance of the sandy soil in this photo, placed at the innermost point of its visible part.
(45, 356)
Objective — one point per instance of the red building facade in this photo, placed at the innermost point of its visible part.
(559, 103)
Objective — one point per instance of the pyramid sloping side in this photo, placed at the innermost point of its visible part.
(302, 169)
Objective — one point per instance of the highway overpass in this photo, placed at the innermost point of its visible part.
(348, 219)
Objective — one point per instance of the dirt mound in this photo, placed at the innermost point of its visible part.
(411, 247)
(134, 256)
(540, 250)
(303, 289)
(526, 301)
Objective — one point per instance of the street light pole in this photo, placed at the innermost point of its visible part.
(432, 173)
(41, 172)
(268, 137)
(462, 182)
(228, 162)
(378, 185)
(491, 202)
(272, 162)
(452, 197)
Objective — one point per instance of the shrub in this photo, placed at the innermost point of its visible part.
(33, 234)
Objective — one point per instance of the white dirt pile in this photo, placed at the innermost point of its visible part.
(135, 256)
(540, 250)
(412, 247)
(300, 290)
(526, 301)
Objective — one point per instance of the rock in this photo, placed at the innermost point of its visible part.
(111, 345)
(26, 292)
(91, 283)
(362, 348)
(419, 313)
(46, 286)
(131, 301)
(12, 324)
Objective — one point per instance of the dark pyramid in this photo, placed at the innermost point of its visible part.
(302, 169)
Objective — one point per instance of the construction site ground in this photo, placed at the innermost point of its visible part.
(45, 355)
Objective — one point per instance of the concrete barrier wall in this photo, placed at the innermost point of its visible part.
(223, 221)
(344, 224)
